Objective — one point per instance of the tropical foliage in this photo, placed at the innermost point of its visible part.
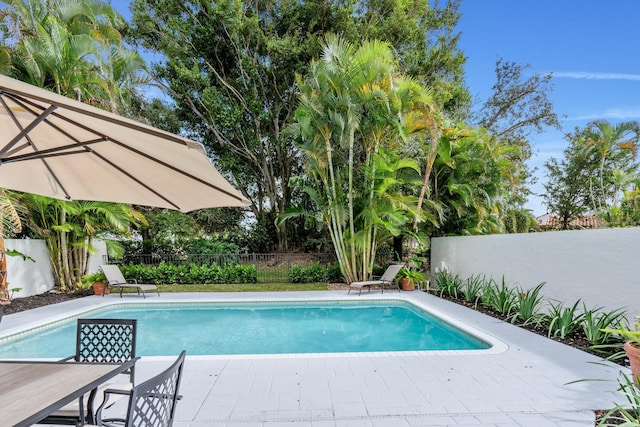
(471, 181)
(74, 48)
(602, 330)
(11, 212)
(599, 174)
(627, 413)
(231, 68)
(354, 109)
(383, 144)
(612, 151)
(628, 213)
(70, 229)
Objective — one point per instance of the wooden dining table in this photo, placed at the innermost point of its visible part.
(31, 390)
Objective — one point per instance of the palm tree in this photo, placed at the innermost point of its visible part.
(70, 227)
(74, 48)
(472, 175)
(613, 147)
(10, 219)
(352, 106)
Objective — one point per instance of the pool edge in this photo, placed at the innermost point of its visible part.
(37, 318)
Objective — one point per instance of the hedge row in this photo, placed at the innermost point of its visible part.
(190, 274)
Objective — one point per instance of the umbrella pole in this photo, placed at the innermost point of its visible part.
(4, 294)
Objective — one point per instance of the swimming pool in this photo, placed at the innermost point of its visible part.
(299, 327)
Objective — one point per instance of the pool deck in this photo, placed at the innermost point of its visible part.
(525, 380)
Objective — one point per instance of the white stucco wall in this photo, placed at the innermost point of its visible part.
(31, 277)
(599, 267)
(35, 277)
(96, 258)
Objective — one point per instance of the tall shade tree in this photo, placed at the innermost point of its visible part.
(231, 66)
(352, 113)
(566, 192)
(518, 107)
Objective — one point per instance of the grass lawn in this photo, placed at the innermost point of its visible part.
(46, 298)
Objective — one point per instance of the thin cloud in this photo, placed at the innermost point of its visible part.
(613, 114)
(596, 76)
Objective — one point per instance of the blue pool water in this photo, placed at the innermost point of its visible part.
(259, 328)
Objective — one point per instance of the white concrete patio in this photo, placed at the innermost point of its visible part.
(526, 381)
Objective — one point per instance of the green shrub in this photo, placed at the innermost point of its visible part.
(170, 274)
(597, 324)
(472, 289)
(500, 298)
(314, 273)
(142, 273)
(625, 414)
(562, 321)
(528, 303)
(448, 284)
(334, 274)
(209, 246)
(89, 279)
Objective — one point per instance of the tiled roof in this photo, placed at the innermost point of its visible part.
(553, 222)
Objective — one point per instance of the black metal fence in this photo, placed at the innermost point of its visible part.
(271, 268)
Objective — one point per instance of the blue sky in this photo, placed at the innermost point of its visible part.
(591, 47)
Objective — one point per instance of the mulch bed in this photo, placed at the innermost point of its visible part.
(576, 340)
(35, 301)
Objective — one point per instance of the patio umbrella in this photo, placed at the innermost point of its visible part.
(57, 147)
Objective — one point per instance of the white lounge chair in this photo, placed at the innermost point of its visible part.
(388, 278)
(116, 280)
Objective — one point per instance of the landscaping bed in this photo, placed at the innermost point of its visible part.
(35, 301)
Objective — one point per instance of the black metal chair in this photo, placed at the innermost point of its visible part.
(151, 403)
(99, 341)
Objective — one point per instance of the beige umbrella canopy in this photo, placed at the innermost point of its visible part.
(57, 147)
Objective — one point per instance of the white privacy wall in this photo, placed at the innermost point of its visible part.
(35, 277)
(599, 267)
(31, 277)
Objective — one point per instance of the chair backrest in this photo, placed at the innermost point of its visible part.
(106, 341)
(391, 272)
(153, 402)
(112, 273)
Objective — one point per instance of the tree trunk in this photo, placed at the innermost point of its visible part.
(64, 253)
(431, 158)
(4, 292)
